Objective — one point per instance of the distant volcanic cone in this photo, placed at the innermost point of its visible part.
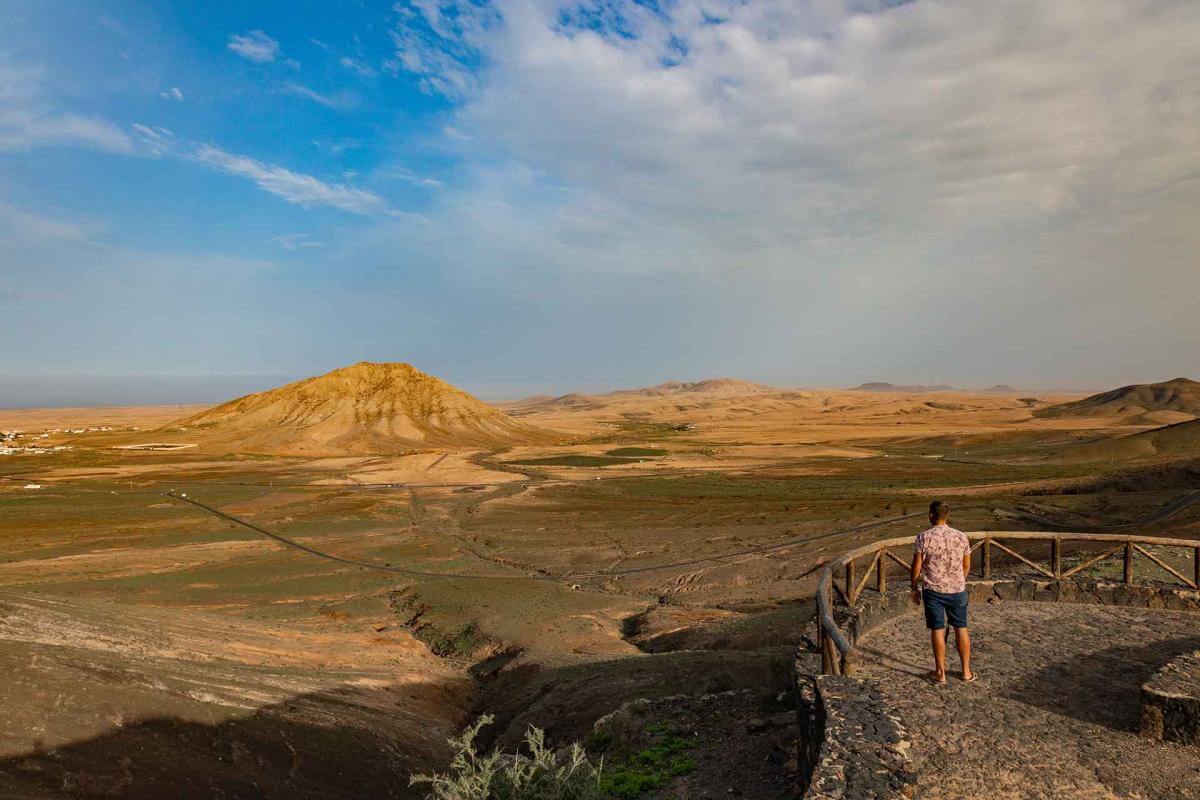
(362, 409)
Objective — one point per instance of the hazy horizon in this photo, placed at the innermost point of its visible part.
(528, 196)
(49, 391)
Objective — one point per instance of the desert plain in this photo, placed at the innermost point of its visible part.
(314, 614)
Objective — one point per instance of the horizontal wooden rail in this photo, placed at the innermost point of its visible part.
(834, 644)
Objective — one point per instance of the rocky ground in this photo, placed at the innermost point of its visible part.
(1055, 712)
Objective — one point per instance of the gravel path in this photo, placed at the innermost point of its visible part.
(1056, 708)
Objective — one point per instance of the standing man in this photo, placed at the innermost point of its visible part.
(941, 562)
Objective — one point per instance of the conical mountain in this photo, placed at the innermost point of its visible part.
(366, 408)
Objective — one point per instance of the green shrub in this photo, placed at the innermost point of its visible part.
(652, 767)
(539, 776)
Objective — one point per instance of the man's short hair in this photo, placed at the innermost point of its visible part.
(939, 510)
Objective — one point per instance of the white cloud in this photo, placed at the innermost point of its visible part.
(440, 42)
(295, 187)
(174, 93)
(255, 46)
(28, 120)
(357, 65)
(153, 140)
(796, 123)
(19, 225)
(339, 101)
(336, 147)
(403, 173)
(295, 241)
(22, 131)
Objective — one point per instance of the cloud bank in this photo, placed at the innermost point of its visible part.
(797, 191)
(858, 165)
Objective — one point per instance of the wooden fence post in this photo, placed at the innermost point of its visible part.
(987, 559)
(850, 598)
(1056, 557)
(830, 662)
(1129, 562)
(823, 643)
(881, 572)
(1196, 568)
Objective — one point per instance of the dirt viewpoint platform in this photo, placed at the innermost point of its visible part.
(1055, 712)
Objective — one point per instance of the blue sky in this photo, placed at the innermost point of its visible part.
(529, 195)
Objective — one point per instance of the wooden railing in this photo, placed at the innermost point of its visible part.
(878, 556)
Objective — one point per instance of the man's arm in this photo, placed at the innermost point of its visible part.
(914, 574)
(967, 564)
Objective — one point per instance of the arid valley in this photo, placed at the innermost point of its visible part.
(342, 573)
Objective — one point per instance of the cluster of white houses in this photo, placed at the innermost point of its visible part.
(13, 442)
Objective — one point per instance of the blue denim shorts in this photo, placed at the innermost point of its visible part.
(940, 607)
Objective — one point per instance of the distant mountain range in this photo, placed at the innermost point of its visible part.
(891, 387)
(999, 388)
(721, 386)
(711, 388)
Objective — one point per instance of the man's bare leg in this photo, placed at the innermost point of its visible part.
(938, 639)
(962, 638)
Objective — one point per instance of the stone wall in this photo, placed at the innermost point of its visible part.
(1171, 701)
(850, 746)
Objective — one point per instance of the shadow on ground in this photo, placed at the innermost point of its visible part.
(1105, 685)
(300, 748)
(566, 701)
(306, 748)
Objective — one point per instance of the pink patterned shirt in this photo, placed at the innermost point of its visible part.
(943, 549)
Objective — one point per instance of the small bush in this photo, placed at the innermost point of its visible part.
(653, 767)
(539, 776)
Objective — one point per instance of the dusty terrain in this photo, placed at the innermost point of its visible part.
(303, 619)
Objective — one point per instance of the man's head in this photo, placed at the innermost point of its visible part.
(939, 512)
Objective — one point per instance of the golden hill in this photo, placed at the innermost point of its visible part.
(1170, 401)
(361, 409)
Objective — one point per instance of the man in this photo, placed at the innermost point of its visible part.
(941, 562)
